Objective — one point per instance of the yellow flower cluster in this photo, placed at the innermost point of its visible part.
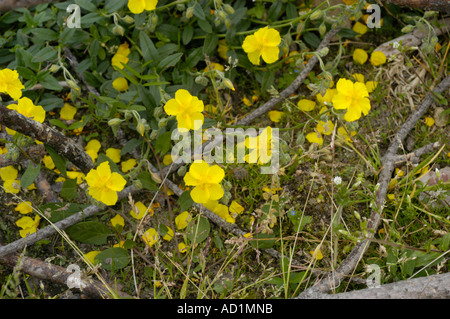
(138, 6)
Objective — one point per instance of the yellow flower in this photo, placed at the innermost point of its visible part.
(138, 6)
(10, 83)
(120, 84)
(306, 105)
(90, 256)
(167, 159)
(343, 133)
(275, 116)
(349, 2)
(326, 99)
(120, 244)
(360, 28)
(24, 208)
(67, 112)
(353, 97)
(317, 253)
(371, 86)
(92, 148)
(128, 165)
(263, 43)
(214, 66)
(325, 127)
(222, 49)
(220, 210)
(260, 147)
(150, 237)
(121, 56)
(377, 58)
(169, 234)
(140, 210)
(315, 137)
(206, 181)
(48, 162)
(28, 225)
(182, 248)
(79, 176)
(104, 185)
(359, 77)
(235, 209)
(27, 108)
(113, 154)
(187, 109)
(182, 220)
(117, 221)
(429, 121)
(246, 101)
(360, 56)
(8, 173)
(12, 186)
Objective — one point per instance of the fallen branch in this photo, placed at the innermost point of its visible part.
(429, 5)
(46, 134)
(412, 39)
(6, 5)
(34, 152)
(334, 279)
(59, 226)
(429, 287)
(46, 271)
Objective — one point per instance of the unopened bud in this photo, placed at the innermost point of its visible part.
(114, 122)
(54, 68)
(181, 171)
(118, 30)
(316, 15)
(128, 19)
(322, 29)
(228, 84)
(190, 12)
(407, 29)
(228, 8)
(72, 84)
(157, 111)
(162, 122)
(201, 80)
(140, 127)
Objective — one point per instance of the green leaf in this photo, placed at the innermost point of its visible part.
(169, 61)
(60, 162)
(147, 182)
(347, 33)
(112, 259)
(69, 189)
(61, 210)
(185, 201)
(45, 54)
(86, 4)
(30, 175)
(163, 143)
(311, 39)
(187, 34)
(205, 26)
(198, 11)
(198, 229)
(89, 232)
(263, 241)
(45, 34)
(130, 146)
(49, 81)
(210, 44)
(112, 6)
(148, 49)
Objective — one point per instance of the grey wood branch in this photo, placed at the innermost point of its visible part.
(48, 135)
(60, 225)
(334, 279)
(46, 271)
(429, 5)
(6, 5)
(430, 287)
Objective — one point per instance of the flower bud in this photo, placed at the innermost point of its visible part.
(157, 111)
(407, 29)
(324, 51)
(54, 68)
(162, 122)
(181, 7)
(228, 8)
(128, 19)
(114, 122)
(228, 83)
(201, 80)
(140, 127)
(190, 12)
(181, 171)
(322, 30)
(316, 15)
(118, 30)
(72, 84)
